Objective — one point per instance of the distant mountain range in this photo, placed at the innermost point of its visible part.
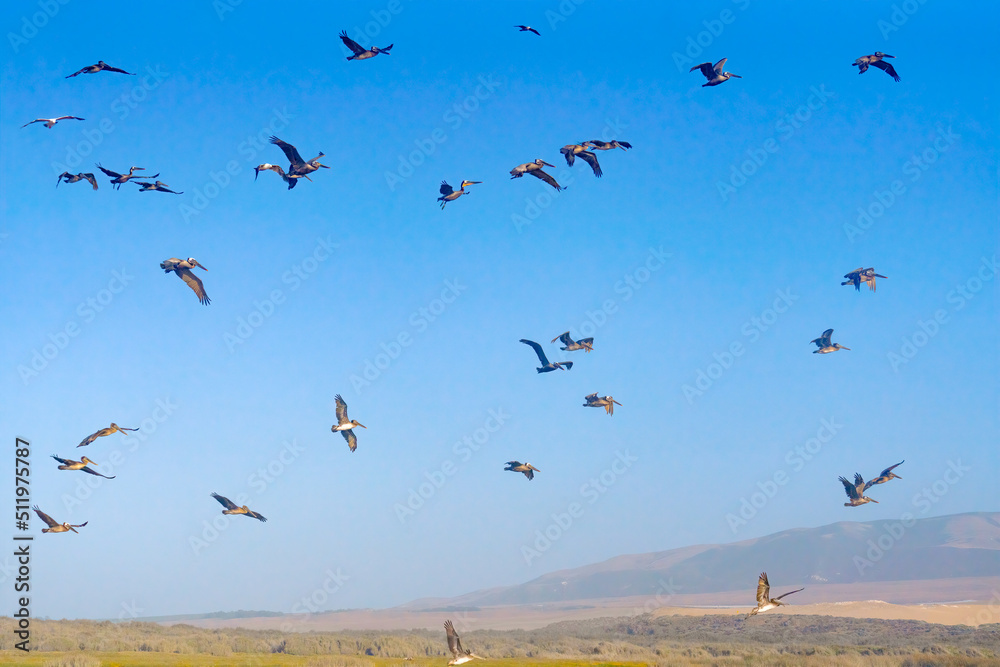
(957, 546)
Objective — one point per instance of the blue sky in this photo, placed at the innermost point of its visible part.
(703, 263)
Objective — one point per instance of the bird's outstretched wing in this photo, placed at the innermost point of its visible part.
(706, 70)
(226, 502)
(341, 410)
(849, 489)
(93, 436)
(763, 588)
(352, 440)
(538, 173)
(719, 66)
(824, 340)
(570, 155)
(94, 472)
(65, 462)
(789, 593)
(565, 339)
(45, 517)
(454, 643)
(194, 282)
(887, 68)
(538, 350)
(591, 159)
(290, 151)
(891, 468)
(446, 189)
(256, 515)
(351, 44)
(112, 174)
(91, 179)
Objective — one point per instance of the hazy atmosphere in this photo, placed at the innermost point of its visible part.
(703, 262)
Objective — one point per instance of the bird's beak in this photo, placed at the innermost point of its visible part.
(547, 164)
(736, 76)
(873, 500)
(896, 476)
(615, 402)
(202, 267)
(362, 426)
(73, 529)
(323, 165)
(886, 55)
(844, 348)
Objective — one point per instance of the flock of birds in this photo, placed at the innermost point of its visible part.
(299, 168)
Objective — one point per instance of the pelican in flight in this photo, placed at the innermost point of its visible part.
(714, 73)
(571, 345)
(94, 69)
(57, 527)
(67, 177)
(182, 267)
(68, 464)
(460, 654)
(298, 166)
(876, 60)
(449, 193)
(117, 179)
(231, 508)
(862, 275)
(573, 151)
(528, 28)
(856, 491)
(607, 402)
(884, 476)
(516, 466)
(291, 180)
(763, 602)
(598, 145)
(546, 365)
(535, 169)
(345, 425)
(49, 122)
(105, 431)
(359, 52)
(159, 186)
(824, 344)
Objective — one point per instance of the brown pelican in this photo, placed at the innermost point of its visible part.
(875, 60)
(68, 464)
(884, 476)
(105, 431)
(291, 180)
(763, 602)
(360, 53)
(862, 275)
(516, 466)
(824, 344)
(56, 527)
(451, 194)
(546, 366)
(571, 345)
(49, 122)
(117, 179)
(535, 169)
(856, 491)
(67, 177)
(572, 151)
(714, 73)
(298, 166)
(460, 654)
(94, 69)
(345, 425)
(182, 267)
(607, 402)
(598, 145)
(528, 28)
(231, 508)
(159, 186)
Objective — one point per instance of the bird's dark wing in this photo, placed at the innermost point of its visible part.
(719, 66)
(255, 515)
(454, 643)
(568, 152)
(94, 472)
(352, 440)
(351, 44)
(512, 464)
(226, 502)
(849, 489)
(567, 364)
(625, 144)
(290, 151)
(586, 341)
(859, 481)
(538, 173)
(341, 410)
(110, 173)
(45, 517)
(387, 49)
(538, 350)
(534, 31)
(591, 159)
(887, 68)
(70, 118)
(891, 468)
(565, 339)
(81, 71)
(789, 593)
(90, 177)
(109, 68)
(530, 475)
(93, 436)
(446, 189)
(37, 120)
(65, 462)
(706, 70)
(763, 588)
(194, 282)
(603, 145)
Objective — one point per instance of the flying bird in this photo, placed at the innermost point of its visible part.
(528, 28)
(231, 508)
(856, 491)
(535, 169)
(824, 344)
(449, 193)
(117, 179)
(159, 186)
(298, 167)
(345, 425)
(94, 69)
(516, 466)
(105, 431)
(876, 60)
(68, 464)
(884, 476)
(291, 180)
(862, 275)
(598, 145)
(546, 365)
(56, 527)
(763, 602)
(182, 267)
(714, 73)
(573, 151)
(460, 654)
(359, 52)
(571, 345)
(67, 177)
(49, 122)
(606, 402)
